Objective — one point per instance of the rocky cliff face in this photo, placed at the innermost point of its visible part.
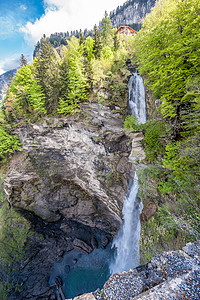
(69, 182)
(76, 168)
(131, 13)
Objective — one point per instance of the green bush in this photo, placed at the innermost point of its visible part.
(8, 143)
(131, 123)
(154, 140)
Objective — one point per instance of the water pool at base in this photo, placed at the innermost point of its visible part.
(82, 281)
(83, 273)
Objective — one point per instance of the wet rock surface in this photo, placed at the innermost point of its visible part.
(170, 275)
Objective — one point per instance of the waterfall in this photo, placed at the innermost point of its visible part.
(127, 240)
(136, 100)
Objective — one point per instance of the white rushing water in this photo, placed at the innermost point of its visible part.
(136, 100)
(127, 240)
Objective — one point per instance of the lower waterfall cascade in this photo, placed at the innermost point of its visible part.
(127, 240)
(136, 99)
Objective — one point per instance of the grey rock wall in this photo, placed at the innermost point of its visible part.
(75, 168)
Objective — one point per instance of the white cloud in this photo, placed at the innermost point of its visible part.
(23, 7)
(9, 64)
(12, 63)
(67, 15)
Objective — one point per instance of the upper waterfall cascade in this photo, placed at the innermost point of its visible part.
(127, 240)
(136, 100)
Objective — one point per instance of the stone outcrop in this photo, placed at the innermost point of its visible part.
(81, 246)
(75, 167)
(170, 275)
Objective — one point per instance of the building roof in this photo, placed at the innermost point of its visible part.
(125, 29)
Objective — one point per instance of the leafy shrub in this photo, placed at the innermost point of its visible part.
(8, 143)
(154, 144)
(25, 94)
(131, 123)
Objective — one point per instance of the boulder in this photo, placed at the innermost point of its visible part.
(82, 246)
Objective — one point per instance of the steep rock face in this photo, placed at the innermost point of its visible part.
(75, 168)
(131, 13)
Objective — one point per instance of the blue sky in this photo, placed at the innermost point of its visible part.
(22, 23)
(14, 15)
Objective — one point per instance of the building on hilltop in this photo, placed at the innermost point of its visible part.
(125, 30)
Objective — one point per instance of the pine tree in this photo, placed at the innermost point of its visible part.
(25, 94)
(75, 81)
(97, 42)
(82, 43)
(81, 38)
(116, 42)
(47, 72)
(106, 30)
(23, 61)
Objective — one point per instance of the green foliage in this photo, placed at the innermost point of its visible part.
(107, 53)
(14, 234)
(24, 94)
(177, 220)
(155, 140)
(106, 30)
(131, 123)
(8, 143)
(167, 49)
(183, 158)
(47, 72)
(76, 89)
(89, 44)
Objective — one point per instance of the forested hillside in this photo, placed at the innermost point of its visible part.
(167, 51)
(56, 84)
